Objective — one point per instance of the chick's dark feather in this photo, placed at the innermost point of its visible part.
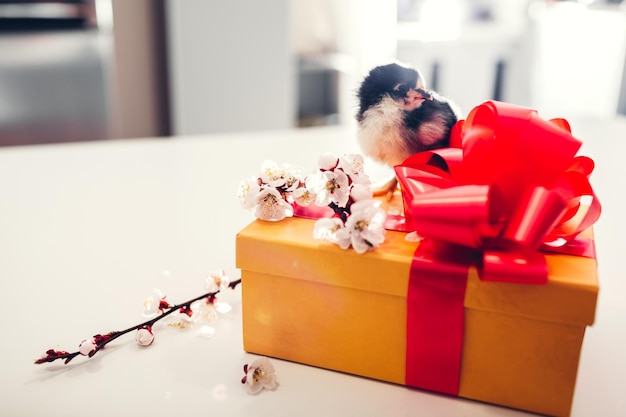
(428, 126)
(381, 81)
(398, 116)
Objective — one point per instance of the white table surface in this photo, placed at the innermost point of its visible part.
(88, 230)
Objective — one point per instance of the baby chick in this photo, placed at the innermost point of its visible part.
(399, 117)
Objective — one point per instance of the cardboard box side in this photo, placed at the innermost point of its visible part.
(569, 297)
(338, 328)
(287, 249)
(520, 363)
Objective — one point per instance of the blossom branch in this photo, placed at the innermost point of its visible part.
(90, 348)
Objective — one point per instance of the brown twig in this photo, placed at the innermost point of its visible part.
(102, 340)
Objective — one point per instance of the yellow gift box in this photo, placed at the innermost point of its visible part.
(309, 301)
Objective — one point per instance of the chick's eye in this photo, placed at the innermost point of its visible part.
(401, 89)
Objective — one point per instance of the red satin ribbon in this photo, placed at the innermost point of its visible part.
(509, 185)
(435, 304)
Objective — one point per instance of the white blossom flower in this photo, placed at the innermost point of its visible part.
(154, 304)
(333, 230)
(329, 187)
(248, 192)
(328, 161)
(87, 347)
(208, 309)
(272, 206)
(183, 320)
(292, 176)
(204, 311)
(144, 336)
(354, 166)
(272, 173)
(360, 192)
(259, 375)
(216, 281)
(303, 196)
(366, 225)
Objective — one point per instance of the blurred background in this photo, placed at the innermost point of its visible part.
(83, 70)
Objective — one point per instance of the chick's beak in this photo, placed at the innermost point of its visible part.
(415, 97)
(425, 95)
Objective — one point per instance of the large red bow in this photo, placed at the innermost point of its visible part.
(508, 185)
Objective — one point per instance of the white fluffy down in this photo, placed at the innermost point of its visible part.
(379, 133)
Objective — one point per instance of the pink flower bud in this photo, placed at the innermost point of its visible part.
(87, 347)
(361, 192)
(144, 336)
(328, 161)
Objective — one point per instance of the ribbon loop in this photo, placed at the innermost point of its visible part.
(537, 214)
(451, 214)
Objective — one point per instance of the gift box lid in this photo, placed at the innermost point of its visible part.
(288, 249)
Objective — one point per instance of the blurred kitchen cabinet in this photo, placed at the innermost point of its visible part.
(139, 100)
(230, 65)
(54, 68)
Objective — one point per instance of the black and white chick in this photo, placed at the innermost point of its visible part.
(399, 117)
